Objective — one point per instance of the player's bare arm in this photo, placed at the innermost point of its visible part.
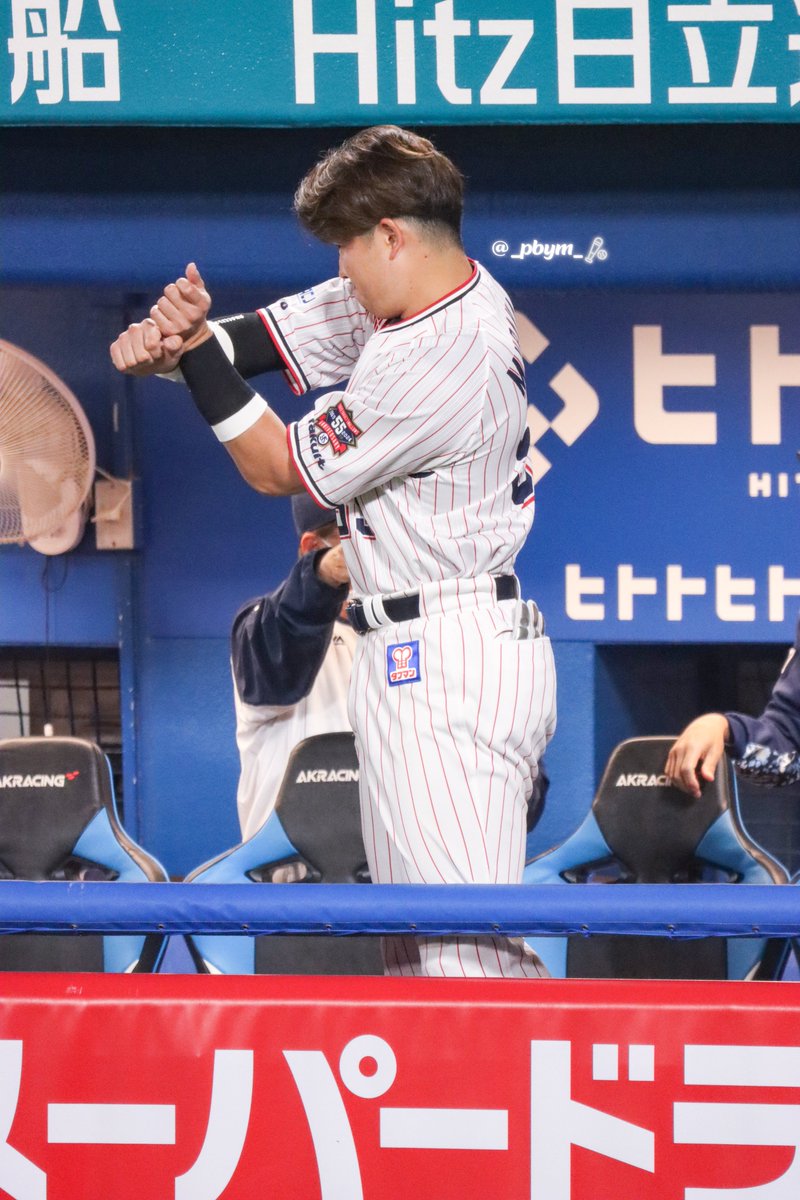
(262, 457)
(698, 749)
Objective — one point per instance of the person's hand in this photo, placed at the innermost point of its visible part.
(143, 350)
(183, 309)
(699, 747)
(331, 569)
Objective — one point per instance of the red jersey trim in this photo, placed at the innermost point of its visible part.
(292, 370)
(449, 298)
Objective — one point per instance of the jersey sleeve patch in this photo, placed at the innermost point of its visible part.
(336, 427)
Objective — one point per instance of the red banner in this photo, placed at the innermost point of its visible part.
(151, 1087)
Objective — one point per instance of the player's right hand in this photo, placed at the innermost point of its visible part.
(697, 752)
(183, 308)
(143, 350)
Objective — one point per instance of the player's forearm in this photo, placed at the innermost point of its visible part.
(262, 457)
(241, 419)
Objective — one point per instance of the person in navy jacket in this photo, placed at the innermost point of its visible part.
(291, 655)
(765, 748)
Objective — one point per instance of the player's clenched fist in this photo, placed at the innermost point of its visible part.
(176, 323)
(183, 308)
(142, 349)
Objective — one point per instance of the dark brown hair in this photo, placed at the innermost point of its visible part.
(380, 172)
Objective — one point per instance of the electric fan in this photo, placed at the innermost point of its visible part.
(47, 456)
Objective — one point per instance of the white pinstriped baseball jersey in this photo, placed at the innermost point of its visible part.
(424, 453)
(421, 450)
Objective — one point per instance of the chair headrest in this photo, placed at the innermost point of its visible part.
(648, 822)
(50, 789)
(318, 805)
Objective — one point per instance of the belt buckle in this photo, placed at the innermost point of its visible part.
(355, 615)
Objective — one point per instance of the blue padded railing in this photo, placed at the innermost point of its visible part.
(661, 910)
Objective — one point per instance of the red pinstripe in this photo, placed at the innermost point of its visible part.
(511, 725)
(421, 764)
(401, 788)
(377, 460)
(427, 679)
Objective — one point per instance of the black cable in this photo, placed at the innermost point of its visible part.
(49, 588)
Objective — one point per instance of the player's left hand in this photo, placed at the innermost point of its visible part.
(141, 349)
(183, 309)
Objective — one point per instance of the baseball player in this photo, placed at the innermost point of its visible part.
(766, 748)
(422, 450)
(291, 655)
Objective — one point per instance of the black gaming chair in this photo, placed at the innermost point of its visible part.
(313, 836)
(58, 820)
(640, 829)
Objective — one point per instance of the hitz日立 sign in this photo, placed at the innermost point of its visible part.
(296, 62)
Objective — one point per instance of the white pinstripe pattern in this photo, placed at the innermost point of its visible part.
(320, 333)
(447, 768)
(433, 398)
(432, 503)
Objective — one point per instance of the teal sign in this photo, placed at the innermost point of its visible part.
(358, 62)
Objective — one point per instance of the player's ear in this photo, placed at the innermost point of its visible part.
(393, 235)
(310, 541)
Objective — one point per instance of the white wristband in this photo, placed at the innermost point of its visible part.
(241, 421)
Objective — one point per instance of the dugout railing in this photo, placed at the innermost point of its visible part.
(660, 910)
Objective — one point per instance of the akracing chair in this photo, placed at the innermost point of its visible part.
(641, 829)
(58, 821)
(313, 836)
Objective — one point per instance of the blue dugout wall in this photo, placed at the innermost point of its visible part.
(663, 367)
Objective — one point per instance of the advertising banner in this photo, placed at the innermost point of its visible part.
(665, 431)
(295, 62)
(352, 1089)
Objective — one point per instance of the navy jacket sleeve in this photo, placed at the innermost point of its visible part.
(779, 725)
(768, 747)
(278, 641)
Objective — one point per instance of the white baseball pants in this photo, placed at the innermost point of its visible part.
(448, 756)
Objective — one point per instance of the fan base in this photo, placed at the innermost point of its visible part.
(63, 539)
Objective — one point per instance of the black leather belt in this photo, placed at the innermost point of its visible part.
(406, 608)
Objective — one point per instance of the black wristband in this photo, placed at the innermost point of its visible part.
(217, 388)
(224, 400)
(254, 351)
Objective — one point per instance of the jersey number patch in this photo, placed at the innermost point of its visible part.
(522, 487)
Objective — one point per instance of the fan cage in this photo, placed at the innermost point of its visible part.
(47, 457)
